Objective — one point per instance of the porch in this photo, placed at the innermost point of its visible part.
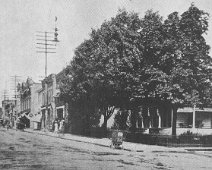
(195, 120)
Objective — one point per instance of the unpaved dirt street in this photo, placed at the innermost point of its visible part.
(22, 150)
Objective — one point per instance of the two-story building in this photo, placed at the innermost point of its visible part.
(28, 105)
(52, 107)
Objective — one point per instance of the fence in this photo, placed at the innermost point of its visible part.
(168, 140)
(154, 139)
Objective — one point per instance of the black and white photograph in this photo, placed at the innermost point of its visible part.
(105, 84)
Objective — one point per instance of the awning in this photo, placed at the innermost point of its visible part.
(26, 114)
(57, 95)
(60, 107)
(36, 118)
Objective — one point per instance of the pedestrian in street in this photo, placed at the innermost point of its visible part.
(8, 125)
(17, 124)
(61, 128)
(56, 126)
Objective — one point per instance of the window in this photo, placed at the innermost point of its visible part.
(50, 96)
(43, 99)
(29, 102)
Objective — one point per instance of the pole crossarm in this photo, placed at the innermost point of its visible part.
(42, 36)
(46, 32)
(44, 40)
(46, 48)
(46, 44)
(45, 52)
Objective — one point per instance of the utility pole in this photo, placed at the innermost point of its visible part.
(15, 80)
(47, 42)
(5, 95)
(5, 92)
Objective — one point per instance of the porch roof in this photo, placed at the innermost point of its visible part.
(190, 110)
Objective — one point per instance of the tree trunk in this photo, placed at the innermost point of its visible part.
(133, 119)
(104, 126)
(174, 120)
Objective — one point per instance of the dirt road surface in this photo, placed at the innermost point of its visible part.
(22, 150)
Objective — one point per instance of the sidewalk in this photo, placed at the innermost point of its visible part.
(105, 142)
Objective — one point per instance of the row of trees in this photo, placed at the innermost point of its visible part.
(131, 61)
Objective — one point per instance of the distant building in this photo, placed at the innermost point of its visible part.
(27, 103)
(1, 113)
(8, 111)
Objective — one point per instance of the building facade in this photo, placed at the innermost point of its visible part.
(8, 111)
(27, 103)
(52, 107)
(1, 113)
(159, 120)
(192, 119)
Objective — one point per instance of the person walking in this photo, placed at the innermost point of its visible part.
(8, 126)
(56, 126)
(61, 128)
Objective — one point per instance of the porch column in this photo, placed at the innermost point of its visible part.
(194, 117)
(140, 113)
(172, 113)
(64, 112)
(55, 113)
(142, 122)
(174, 120)
(159, 118)
(150, 121)
(46, 119)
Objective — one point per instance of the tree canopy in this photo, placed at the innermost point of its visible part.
(130, 60)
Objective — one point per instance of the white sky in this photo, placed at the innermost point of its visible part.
(20, 19)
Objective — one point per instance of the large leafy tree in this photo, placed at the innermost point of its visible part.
(76, 87)
(186, 61)
(118, 51)
(102, 70)
(129, 61)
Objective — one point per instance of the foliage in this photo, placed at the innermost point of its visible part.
(130, 61)
(188, 78)
(189, 133)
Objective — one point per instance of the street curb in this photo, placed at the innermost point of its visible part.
(107, 146)
(46, 134)
(67, 139)
(199, 149)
